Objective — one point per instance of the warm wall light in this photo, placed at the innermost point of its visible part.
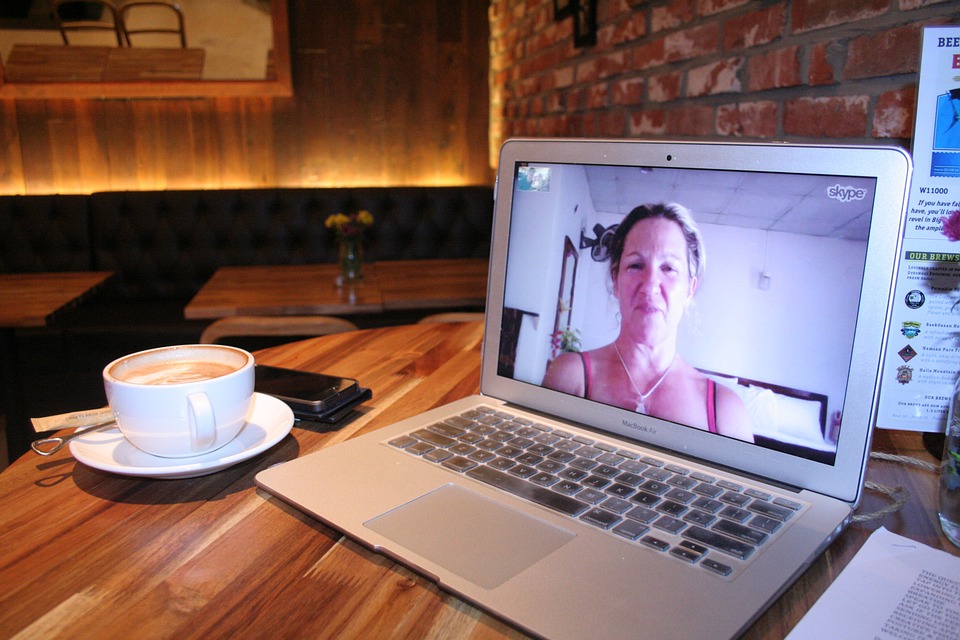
(437, 180)
(361, 180)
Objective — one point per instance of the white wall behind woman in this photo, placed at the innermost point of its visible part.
(812, 300)
(534, 267)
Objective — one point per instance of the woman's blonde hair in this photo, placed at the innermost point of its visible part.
(696, 252)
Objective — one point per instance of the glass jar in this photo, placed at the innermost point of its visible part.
(949, 493)
(351, 260)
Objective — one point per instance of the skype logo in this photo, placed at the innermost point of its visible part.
(846, 194)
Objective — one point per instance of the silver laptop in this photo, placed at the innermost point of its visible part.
(678, 386)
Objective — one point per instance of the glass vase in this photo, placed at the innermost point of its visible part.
(949, 493)
(351, 261)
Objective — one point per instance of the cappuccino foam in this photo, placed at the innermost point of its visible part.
(176, 372)
(177, 365)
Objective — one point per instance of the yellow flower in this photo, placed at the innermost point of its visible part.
(365, 218)
(349, 226)
(336, 221)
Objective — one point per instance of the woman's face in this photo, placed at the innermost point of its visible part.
(653, 282)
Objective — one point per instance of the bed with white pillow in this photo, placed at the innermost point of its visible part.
(784, 418)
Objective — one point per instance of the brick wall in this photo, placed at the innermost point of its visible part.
(801, 70)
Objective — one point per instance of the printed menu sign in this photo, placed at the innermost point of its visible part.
(923, 350)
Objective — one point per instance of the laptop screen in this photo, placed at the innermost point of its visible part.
(717, 300)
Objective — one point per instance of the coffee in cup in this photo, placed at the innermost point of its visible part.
(181, 401)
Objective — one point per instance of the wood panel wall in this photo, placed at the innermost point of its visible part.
(386, 92)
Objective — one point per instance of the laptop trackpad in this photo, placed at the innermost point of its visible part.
(470, 535)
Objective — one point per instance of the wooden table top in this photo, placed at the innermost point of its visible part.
(95, 555)
(33, 299)
(80, 63)
(311, 289)
(55, 63)
(152, 63)
(430, 284)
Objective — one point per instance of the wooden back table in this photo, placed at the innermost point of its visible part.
(32, 300)
(87, 554)
(312, 289)
(55, 63)
(73, 63)
(153, 63)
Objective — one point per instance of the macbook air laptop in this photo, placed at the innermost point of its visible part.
(674, 420)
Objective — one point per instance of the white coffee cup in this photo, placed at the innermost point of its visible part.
(183, 400)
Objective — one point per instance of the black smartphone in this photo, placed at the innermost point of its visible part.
(307, 393)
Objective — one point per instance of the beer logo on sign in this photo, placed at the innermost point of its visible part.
(915, 299)
(910, 329)
(904, 374)
(907, 353)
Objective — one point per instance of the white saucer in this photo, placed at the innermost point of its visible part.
(270, 420)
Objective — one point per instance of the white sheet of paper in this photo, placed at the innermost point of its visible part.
(893, 589)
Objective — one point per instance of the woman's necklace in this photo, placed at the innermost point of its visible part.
(642, 397)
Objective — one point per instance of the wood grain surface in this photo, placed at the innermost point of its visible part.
(32, 299)
(312, 289)
(62, 63)
(88, 554)
(152, 63)
(56, 63)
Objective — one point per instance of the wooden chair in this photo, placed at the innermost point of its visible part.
(454, 316)
(152, 19)
(106, 17)
(274, 326)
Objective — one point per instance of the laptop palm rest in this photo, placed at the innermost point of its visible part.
(472, 536)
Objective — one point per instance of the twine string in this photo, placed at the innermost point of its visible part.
(898, 494)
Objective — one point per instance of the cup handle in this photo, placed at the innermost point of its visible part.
(203, 426)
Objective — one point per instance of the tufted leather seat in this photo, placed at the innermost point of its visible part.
(44, 233)
(163, 245)
(168, 243)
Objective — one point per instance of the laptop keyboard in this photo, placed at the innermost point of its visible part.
(692, 516)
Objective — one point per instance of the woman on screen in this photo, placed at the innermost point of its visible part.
(656, 262)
